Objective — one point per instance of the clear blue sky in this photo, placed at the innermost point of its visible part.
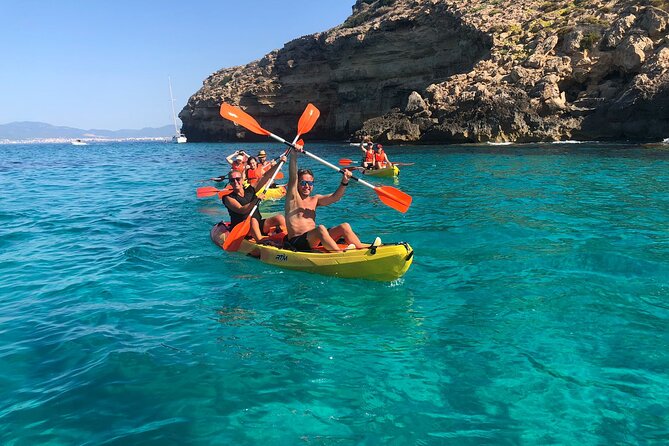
(104, 64)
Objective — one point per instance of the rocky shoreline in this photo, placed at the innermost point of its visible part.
(460, 71)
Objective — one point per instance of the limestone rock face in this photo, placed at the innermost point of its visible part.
(458, 71)
(631, 53)
(352, 73)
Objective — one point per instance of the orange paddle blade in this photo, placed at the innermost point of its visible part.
(279, 176)
(206, 191)
(210, 191)
(238, 116)
(345, 161)
(394, 198)
(224, 193)
(236, 236)
(308, 119)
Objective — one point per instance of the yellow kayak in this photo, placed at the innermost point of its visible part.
(275, 193)
(388, 172)
(382, 263)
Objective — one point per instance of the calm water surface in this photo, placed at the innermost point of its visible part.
(536, 311)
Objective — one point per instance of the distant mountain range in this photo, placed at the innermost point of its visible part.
(41, 130)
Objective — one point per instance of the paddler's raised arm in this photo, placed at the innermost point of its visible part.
(292, 172)
(326, 200)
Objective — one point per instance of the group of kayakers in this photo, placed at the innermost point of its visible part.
(252, 168)
(374, 157)
(335, 251)
(299, 219)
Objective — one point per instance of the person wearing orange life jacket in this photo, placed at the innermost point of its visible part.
(381, 160)
(368, 157)
(239, 162)
(253, 171)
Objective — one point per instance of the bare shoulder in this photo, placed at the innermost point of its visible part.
(312, 201)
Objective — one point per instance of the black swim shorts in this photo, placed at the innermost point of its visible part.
(300, 242)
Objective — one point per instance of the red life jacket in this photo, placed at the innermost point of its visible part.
(239, 167)
(254, 174)
(369, 156)
(380, 156)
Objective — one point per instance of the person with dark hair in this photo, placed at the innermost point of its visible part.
(368, 155)
(253, 170)
(303, 232)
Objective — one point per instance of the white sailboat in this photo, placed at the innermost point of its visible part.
(178, 137)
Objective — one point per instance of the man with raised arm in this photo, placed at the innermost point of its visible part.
(300, 207)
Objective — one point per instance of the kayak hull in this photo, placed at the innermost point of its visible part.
(384, 263)
(388, 172)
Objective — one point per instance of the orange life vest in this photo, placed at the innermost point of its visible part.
(254, 174)
(239, 167)
(369, 156)
(380, 156)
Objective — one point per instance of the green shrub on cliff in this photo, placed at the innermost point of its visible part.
(592, 20)
(588, 41)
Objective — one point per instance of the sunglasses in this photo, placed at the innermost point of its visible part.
(235, 180)
(306, 183)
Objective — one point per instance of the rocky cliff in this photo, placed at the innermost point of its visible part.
(460, 71)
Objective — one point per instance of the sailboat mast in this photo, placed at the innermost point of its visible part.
(174, 115)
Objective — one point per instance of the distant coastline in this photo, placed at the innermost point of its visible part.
(87, 140)
(41, 132)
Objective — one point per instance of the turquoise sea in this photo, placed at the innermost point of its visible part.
(536, 311)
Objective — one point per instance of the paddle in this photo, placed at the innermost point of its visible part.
(210, 191)
(388, 195)
(306, 122)
(236, 115)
